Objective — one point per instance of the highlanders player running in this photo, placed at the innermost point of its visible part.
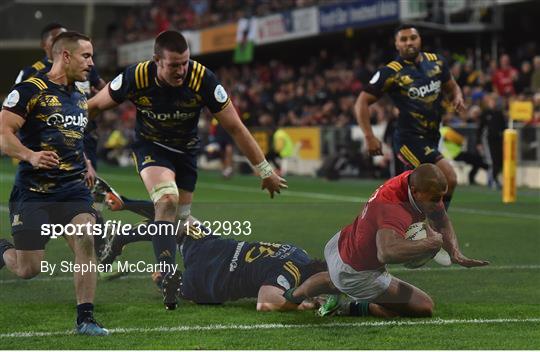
(50, 113)
(169, 93)
(414, 81)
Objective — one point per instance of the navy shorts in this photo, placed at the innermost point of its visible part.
(415, 150)
(28, 211)
(184, 164)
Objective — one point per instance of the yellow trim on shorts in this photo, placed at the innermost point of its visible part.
(409, 155)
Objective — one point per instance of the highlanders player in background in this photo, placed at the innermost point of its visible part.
(357, 255)
(50, 114)
(169, 93)
(415, 82)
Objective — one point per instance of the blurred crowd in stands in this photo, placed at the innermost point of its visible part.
(144, 22)
(321, 91)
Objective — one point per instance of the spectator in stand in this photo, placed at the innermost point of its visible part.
(535, 77)
(523, 82)
(504, 77)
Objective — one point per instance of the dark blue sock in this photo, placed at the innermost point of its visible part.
(164, 244)
(84, 310)
(141, 207)
(359, 308)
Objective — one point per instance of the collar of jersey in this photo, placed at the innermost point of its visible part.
(60, 86)
(412, 201)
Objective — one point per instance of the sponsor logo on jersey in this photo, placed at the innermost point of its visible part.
(234, 261)
(220, 94)
(16, 220)
(421, 92)
(405, 80)
(148, 159)
(283, 282)
(143, 101)
(117, 82)
(12, 99)
(50, 101)
(375, 78)
(58, 119)
(177, 115)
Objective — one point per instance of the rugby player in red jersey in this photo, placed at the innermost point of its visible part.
(357, 255)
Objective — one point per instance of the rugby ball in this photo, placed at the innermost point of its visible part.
(415, 232)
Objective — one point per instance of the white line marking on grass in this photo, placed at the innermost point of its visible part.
(214, 327)
(395, 269)
(324, 196)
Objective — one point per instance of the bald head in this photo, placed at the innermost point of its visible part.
(428, 178)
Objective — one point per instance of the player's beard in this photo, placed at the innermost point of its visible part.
(410, 53)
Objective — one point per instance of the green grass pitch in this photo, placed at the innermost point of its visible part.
(497, 307)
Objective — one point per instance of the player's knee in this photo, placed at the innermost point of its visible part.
(28, 271)
(263, 307)
(165, 197)
(425, 308)
(84, 245)
(167, 205)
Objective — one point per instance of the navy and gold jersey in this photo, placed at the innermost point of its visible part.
(416, 90)
(168, 116)
(55, 119)
(219, 270)
(44, 65)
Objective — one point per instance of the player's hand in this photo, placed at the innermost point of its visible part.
(44, 160)
(460, 259)
(459, 104)
(90, 176)
(434, 238)
(374, 146)
(273, 183)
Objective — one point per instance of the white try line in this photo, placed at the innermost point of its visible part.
(217, 327)
(452, 269)
(320, 196)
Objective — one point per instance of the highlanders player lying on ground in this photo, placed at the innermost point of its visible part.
(357, 255)
(219, 270)
(169, 93)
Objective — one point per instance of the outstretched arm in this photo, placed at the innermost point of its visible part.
(441, 222)
(229, 119)
(271, 299)
(101, 101)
